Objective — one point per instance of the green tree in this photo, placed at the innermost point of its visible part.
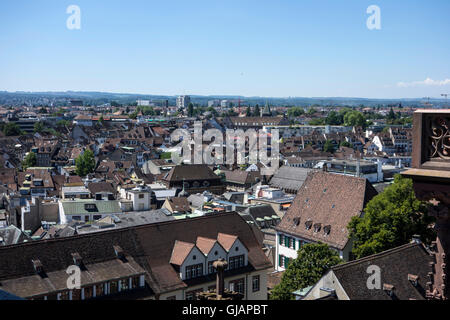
(312, 262)
(133, 115)
(85, 163)
(334, 118)
(317, 122)
(391, 116)
(346, 144)
(190, 110)
(328, 146)
(295, 112)
(391, 219)
(355, 118)
(256, 111)
(29, 161)
(311, 111)
(39, 127)
(249, 112)
(11, 129)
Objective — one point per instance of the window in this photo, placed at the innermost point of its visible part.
(88, 292)
(90, 206)
(192, 295)
(236, 262)
(97, 217)
(100, 290)
(113, 287)
(281, 239)
(281, 260)
(194, 271)
(255, 283)
(211, 269)
(238, 285)
(76, 294)
(124, 284)
(86, 218)
(77, 218)
(64, 295)
(141, 196)
(135, 282)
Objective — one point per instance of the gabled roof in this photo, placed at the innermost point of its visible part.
(191, 172)
(150, 245)
(329, 200)
(205, 244)
(180, 252)
(289, 178)
(226, 240)
(395, 265)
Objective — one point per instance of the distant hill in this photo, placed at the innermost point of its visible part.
(98, 98)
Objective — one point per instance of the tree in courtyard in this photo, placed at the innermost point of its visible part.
(390, 219)
(328, 146)
(85, 163)
(312, 262)
(11, 129)
(29, 161)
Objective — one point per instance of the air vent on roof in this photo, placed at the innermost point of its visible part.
(389, 288)
(413, 278)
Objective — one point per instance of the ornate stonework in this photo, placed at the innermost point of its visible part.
(438, 128)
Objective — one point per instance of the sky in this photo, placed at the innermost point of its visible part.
(277, 48)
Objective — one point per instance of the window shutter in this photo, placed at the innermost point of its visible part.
(280, 239)
(279, 260)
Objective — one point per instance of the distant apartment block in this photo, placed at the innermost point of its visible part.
(183, 101)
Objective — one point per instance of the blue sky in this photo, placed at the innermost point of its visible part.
(306, 48)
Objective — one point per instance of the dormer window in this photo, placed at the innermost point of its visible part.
(120, 254)
(194, 271)
(326, 230)
(90, 207)
(76, 258)
(317, 227)
(308, 224)
(37, 265)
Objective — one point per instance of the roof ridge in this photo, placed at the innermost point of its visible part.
(376, 255)
(125, 229)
